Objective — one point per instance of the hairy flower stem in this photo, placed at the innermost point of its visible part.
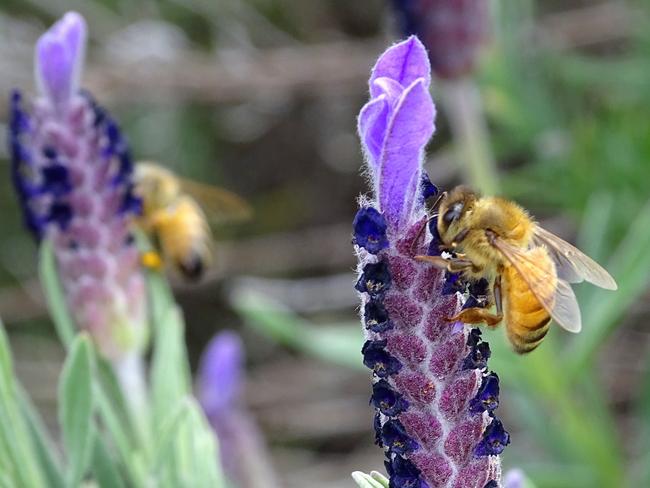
(462, 102)
(130, 372)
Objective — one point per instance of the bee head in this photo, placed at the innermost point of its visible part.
(452, 210)
(156, 185)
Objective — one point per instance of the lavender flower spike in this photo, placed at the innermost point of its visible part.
(220, 383)
(433, 396)
(72, 171)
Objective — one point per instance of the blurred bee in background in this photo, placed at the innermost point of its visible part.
(529, 268)
(178, 226)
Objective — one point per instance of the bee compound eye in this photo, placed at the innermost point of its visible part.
(453, 213)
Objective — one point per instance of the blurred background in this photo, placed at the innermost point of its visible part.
(261, 97)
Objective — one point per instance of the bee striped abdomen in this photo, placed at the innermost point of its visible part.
(526, 320)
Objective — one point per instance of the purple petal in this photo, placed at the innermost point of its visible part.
(59, 57)
(373, 119)
(220, 373)
(404, 62)
(409, 129)
(389, 87)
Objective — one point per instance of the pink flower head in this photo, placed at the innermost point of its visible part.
(72, 171)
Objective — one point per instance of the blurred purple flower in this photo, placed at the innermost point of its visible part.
(515, 478)
(219, 389)
(72, 170)
(433, 395)
(452, 31)
(220, 374)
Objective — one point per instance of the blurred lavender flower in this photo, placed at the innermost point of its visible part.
(433, 396)
(452, 31)
(219, 388)
(72, 171)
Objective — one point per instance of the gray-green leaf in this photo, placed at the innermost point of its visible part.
(364, 480)
(76, 408)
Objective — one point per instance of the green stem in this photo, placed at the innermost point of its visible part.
(462, 103)
(130, 373)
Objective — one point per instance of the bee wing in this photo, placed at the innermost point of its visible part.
(220, 205)
(572, 264)
(560, 303)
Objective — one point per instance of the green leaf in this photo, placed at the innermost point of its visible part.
(170, 377)
(377, 476)
(104, 466)
(364, 480)
(43, 444)
(187, 452)
(76, 408)
(335, 343)
(54, 294)
(18, 455)
(605, 309)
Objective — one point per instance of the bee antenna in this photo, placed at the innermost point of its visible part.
(436, 204)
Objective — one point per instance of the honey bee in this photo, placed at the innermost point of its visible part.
(175, 222)
(528, 267)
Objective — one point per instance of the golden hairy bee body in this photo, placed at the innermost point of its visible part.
(529, 268)
(175, 221)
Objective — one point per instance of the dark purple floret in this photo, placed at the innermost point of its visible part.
(396, 438)
(434, 245)
(61, 214)
(403, 474)
(132, 203)
(49, 152)
(491, 484)
(474, 337)
(375, 279)
(494, 441)
(376, 424)
(370, 230)
(387, 400)
(478, 294)
(376, 358)
(478, 356)
(19, 120)
(56, 180)
(428, 189)
(376, 317)
(487, 397)
(453, 284)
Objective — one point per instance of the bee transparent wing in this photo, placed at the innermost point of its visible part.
(572, 264)
(554, 294)
(220, 205)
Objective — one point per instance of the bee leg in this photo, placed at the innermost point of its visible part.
(476, 315)
(453, 265)
(496, 291)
